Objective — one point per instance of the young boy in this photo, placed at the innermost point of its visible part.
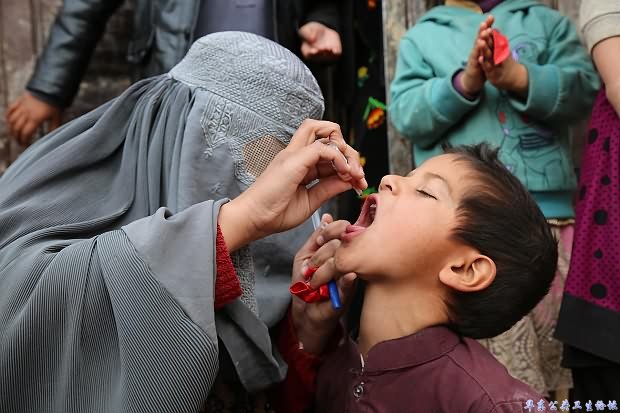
(454, 85)
(458, 250)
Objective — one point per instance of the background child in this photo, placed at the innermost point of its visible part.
(447, 92)
(456, 250)
(589, 323)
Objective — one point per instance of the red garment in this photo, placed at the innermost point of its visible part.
(227, 286)
(296, 393)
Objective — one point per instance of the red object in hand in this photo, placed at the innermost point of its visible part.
(309, 272)
(303, 290)
(501, 47)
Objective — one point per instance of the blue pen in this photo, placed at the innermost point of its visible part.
(332, 286)
(333, 295)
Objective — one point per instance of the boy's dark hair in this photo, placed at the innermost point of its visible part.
(501, 220)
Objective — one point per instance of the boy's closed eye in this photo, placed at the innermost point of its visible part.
(425, 194)
(432, 185)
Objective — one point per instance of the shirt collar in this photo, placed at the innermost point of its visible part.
(419, 348)
(487, 5)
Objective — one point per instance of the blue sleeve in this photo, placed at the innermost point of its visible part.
(564, 85)
(423, 107)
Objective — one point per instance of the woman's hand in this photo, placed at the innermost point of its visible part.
(280, 199)
(315, 323)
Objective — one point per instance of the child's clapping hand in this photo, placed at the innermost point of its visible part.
(473, 77)
(508, 75)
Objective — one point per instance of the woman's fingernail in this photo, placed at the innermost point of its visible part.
(320, 240)
(364, 182)
(323, 225)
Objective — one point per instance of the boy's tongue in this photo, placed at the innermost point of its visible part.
(355, 228)
(366, 217)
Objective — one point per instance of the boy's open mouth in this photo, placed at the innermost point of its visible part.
(366, 218)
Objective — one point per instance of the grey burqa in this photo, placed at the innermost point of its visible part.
(107, 238)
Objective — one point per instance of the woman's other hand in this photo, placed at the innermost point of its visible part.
(315, 323)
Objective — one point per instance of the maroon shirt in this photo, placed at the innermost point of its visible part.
(432, 371)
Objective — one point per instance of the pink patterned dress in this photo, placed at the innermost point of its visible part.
(590, 314)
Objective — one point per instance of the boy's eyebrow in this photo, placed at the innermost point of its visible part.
(431, 175)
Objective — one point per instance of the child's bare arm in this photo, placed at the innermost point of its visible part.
(606, 55)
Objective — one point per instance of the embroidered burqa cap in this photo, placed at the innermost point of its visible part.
(107, 238)
(259, 94)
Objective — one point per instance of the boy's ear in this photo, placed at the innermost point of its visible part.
(470, 272)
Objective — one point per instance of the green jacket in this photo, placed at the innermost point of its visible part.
(532, 134)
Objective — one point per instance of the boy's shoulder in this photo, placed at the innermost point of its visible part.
(438, 369)
(488, 378)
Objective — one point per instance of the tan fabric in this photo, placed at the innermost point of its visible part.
(560, 222)
(528, 350)
(467, 4)
(259, 154)
(599, 20)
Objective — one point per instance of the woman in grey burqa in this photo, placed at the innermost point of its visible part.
(111, 231)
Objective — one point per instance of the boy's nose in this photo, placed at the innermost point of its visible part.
(388, 183)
